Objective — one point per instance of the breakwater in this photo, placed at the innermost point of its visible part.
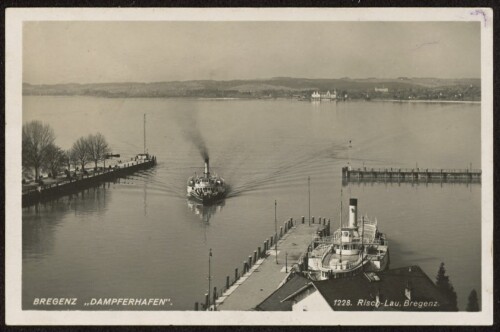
(409, 175)
(267, 268)
(71, 185)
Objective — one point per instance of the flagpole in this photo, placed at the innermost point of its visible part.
(276, 230)
(341, 225)
(309, 190)
(363, 243)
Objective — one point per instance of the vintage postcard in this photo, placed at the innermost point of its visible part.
(249, 166)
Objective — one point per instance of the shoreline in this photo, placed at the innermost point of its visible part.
(428, 101)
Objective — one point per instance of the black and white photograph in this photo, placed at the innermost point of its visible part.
(249, 166)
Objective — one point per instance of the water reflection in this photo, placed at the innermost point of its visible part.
(40, 221)
(205, 212)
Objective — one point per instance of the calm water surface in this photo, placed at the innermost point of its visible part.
(140, 237)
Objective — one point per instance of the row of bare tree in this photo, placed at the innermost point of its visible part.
(39, 151)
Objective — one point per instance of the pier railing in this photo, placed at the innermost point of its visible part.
(417, 170)
(410, 174)
(70, 184)
(250, 264)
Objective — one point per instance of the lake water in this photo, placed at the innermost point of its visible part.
(139, 236)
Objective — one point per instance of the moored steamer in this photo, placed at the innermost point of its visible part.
(358, 247)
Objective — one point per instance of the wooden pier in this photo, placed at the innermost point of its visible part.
(366, 174)
(68, 186)
(263, 272)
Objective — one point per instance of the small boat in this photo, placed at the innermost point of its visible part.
(358, 247)
(207, 188)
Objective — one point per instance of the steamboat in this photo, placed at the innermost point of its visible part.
(207, 188)
(357, 247)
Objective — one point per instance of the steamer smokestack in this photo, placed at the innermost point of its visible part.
(207, 170)
(353, 213)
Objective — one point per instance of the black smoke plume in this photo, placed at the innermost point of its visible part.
(189, 125)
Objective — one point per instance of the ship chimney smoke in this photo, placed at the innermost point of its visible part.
(353, 213)
(207, 170)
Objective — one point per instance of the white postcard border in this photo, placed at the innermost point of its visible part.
(13, 116)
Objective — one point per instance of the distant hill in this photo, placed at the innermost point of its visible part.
(274, 87)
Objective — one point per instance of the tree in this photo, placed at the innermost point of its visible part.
(80, 151)
(444, 284)
(97, 148)
(55, 158)
(473, 304)
(36, 139)
(68, 158)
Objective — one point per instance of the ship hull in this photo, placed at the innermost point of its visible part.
(206, 199)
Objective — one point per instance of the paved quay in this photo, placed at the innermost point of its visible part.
(265, 276)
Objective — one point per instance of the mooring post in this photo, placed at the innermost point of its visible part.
(303, 219)
(236, 277)
(227, 282)
(259, 252)
(249, 261)
(196, 306)
(245, 267)
(312, 218)
(281, 231)
(255, 256)
(215, 294)
(271, 238)
(206, 301)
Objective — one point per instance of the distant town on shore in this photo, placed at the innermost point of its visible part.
(401, 88)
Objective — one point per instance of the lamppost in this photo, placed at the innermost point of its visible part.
(276, 230)
(209, 276)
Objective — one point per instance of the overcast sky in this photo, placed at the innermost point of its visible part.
(96, 52)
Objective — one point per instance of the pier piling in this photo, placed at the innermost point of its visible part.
(312, 219)
(236, 277)
(196, 306)
(227, 282)
(303, 219)
(255, 256)
(259, 252)
(418, 175)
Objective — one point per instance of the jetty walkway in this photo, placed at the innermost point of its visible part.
(410, 175)
(265, 276)
(67, 185)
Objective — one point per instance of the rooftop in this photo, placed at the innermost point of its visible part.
(361, 292)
